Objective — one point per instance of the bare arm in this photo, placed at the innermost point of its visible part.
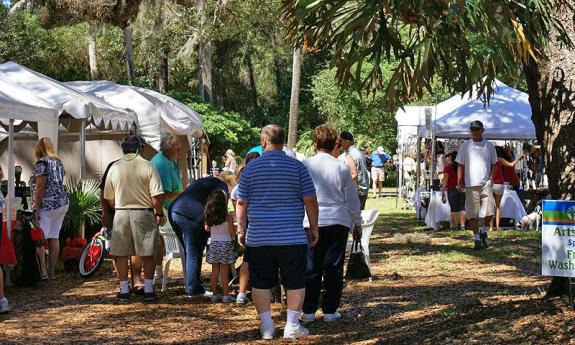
(505, 163)
(460, 177)
(206, 227)
(312, 210)
(157, 203)
(242, 217)
(351, 165)
(106, 219)
(39, 191)
(231, 226)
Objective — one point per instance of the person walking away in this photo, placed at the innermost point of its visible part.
(347, 144)
(166, 162)
(477, 158)
(274, 191)
(220, 224)
(338, 213)
(378, 160)
(134, 189)
(503, 161)
(50, 202)
(455, 197)
(230, 163)
(186, 215)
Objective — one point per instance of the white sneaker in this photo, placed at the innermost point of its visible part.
(267, 333)
(291, 332)
(305, 318)
(242, 299)
(206, 294)
(331, 317)
(228, 299)
(4, 306)
(215, 298)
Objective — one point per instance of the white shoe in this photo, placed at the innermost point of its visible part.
(228, 299)
(331, 317)
(4, 306)
(206, 294)
(242, 299)
(306, 318)
(291, 332)
(267, 333)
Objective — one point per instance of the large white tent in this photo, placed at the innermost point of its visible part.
(507, 116)
(157, 113)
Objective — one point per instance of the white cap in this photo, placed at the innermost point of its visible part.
(380, 150)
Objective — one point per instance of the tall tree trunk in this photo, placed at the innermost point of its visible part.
(551, 86)
(277, 66)
(205, 57)
(128, 52)
(164, 70)
(92, 33)
(253, 88)
(294, 100)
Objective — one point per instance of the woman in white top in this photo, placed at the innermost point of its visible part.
(230, 164)
(339, 211)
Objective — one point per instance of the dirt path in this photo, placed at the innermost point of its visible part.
(437, 290)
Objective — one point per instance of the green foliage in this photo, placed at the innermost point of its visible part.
(84, 206)
(428, 39)
(225, 129)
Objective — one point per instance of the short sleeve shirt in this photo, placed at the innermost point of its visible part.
(362, 174)
(55, 195)
(274, 186)
(477, 157)
(169, 174)
(132, 183)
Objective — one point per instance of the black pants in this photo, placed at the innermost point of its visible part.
(362, 200)
(325, 261)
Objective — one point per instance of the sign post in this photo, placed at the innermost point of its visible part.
(558, 240)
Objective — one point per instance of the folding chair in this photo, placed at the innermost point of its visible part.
(174, 249)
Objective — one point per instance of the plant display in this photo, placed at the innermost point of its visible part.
(84, 206)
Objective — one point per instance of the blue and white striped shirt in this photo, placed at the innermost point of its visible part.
(274, 186)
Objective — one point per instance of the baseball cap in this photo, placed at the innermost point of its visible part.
(346, 136)
(380, 150)
(476, 125)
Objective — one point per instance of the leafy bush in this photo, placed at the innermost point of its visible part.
(225, 129)
(84, 208)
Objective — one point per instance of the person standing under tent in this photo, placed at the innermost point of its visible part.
(134, 189)
(477, 158)
(378, 160)
(455, 197)
(50, 202)
(503, 161)
(273, 194)
(360, 164)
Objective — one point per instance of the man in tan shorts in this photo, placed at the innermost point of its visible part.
(477, 158)
(134, 189)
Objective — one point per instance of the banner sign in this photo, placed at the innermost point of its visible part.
(558, 238)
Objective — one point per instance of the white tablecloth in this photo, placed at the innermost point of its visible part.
(511, 207)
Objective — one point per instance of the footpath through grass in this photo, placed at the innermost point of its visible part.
(428, 287)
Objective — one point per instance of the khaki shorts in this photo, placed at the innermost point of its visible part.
(135, 233)
(479, 202)
(377, 174)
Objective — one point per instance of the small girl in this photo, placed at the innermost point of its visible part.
(220, 254)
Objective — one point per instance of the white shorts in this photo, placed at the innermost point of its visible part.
(51, 221)
(378, 174)
(498, 188)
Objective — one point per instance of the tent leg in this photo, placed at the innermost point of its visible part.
(11, 178)
(83, 149)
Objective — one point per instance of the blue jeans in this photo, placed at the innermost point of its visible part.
(194, 238)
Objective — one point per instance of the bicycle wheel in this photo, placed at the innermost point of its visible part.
(92, 257)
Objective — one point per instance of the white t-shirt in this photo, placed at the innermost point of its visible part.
(221, 232)
(477, 157)
(234, 193)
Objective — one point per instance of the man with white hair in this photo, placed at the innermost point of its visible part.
(378, 160)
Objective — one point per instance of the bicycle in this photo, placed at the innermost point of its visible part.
(94, 253)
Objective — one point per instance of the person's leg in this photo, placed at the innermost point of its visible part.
(1, 283)
(292, 261)
(187, 227)
(41, 253)
(214, 278)
(314, 274)
(295, 299)
(136, 266)
(159, 257)
(244, 277)
(262, 300)
(462, 218)
(53, 252)
(122, 270)
(224, 270)
(263, 276)
(333, 267)
(374, 181)
(4, 305)
(497, 198)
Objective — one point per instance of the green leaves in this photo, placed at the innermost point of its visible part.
(430, 39)
(84, 206)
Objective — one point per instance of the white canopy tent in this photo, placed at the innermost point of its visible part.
(17, 103)
(506, 117)
(66, 100)
(157, 113)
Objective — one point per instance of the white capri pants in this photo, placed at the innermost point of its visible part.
(51, 221)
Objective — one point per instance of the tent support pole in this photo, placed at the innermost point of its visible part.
(11, 178)
(418, 167)
(83, 149)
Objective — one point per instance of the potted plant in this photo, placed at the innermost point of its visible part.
(84, 207)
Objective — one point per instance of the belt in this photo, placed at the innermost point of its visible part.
(137, 209)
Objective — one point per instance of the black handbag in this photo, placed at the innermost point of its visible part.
(356, 266)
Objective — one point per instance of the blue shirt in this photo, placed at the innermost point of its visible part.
(193, 199)
(169, 174)
(274, 186)
(377, 160)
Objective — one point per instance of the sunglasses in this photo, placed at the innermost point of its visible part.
(475, 129)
